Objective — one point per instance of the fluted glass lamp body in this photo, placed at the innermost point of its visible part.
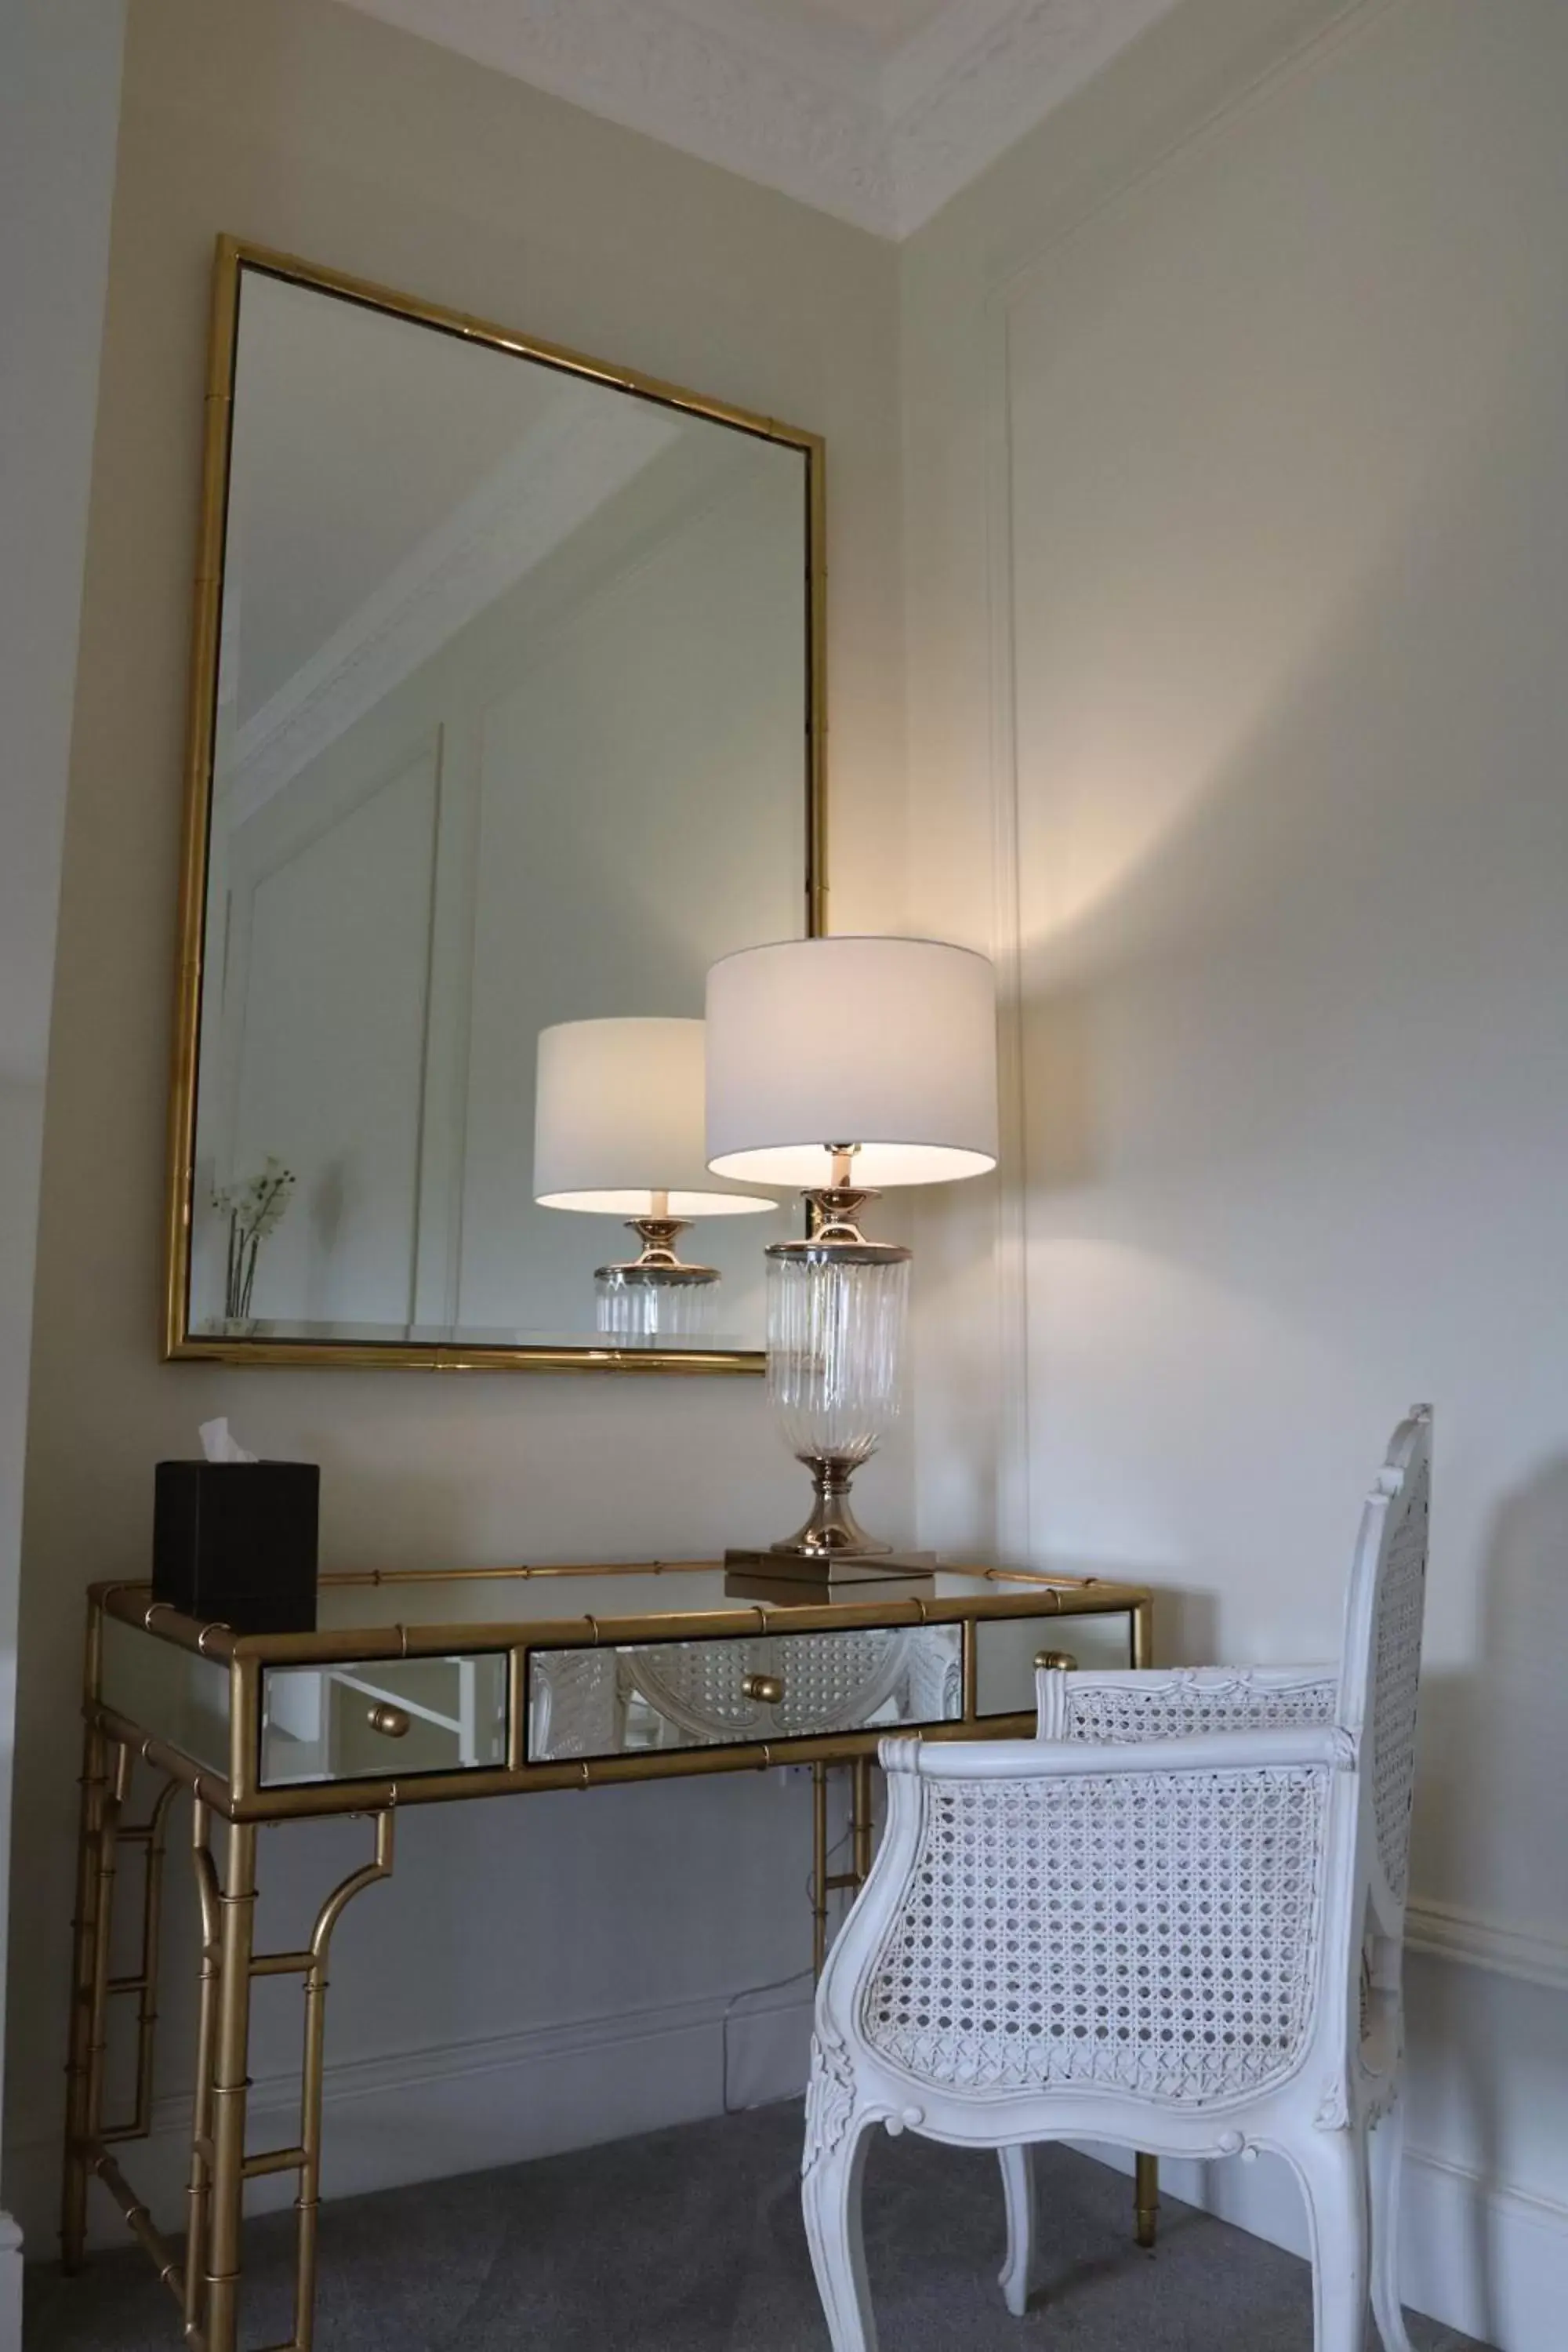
(639, 1306)
(835, 1326)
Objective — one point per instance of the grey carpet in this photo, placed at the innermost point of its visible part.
(690, 2240)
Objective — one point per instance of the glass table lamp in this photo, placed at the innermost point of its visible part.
(618, 1131)
(845, 1065)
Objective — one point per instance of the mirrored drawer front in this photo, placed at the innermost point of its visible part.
(179, 1697)
(386, 1719)
(1008, 1647)
(663, 1695)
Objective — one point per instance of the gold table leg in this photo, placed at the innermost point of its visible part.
(824, 1882)
(198, 2195)
(151, 1835)
(219, 2165)
(229, 2085)
(860, 1817)
(818, 1868)
(1146, 2193)
(206, 2286)
(307, 2204)
(104, 1775)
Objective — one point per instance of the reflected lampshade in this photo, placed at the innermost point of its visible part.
(618, 1123)
(618, 1131)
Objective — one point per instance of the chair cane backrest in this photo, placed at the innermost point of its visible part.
(1382, 1663)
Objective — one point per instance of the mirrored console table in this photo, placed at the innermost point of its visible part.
(418, 1689)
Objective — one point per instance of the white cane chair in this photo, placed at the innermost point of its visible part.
(1174, 1922)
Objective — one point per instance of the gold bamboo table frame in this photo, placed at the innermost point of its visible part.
(232, 1795)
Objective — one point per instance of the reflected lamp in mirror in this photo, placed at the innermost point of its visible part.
(843, 1066)
(618, 1131)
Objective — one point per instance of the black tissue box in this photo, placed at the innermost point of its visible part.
(235, 1543)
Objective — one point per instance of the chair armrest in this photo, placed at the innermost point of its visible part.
(1302, 1746)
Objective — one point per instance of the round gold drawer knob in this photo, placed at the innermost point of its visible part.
(1061, 1660)
(766, 1689)
(390, 1721)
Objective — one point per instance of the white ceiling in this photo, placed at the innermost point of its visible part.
(876, 110)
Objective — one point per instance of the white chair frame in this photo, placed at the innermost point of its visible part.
(1174, 1923)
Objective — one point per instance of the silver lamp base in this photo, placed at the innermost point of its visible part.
(800, 1577)
(831, 1552)
(832, 1531)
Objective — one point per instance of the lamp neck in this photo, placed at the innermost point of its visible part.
(834, 1208)
(658, 1236)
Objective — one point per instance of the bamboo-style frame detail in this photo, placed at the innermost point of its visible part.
(239, 1794)
(233, 255)
(205, 2283)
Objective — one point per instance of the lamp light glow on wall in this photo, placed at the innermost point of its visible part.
(845, 1065)
(618, 1131)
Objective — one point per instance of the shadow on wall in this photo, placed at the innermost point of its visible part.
(1519, 1723)
(1186, 1629)
(1506, 1812)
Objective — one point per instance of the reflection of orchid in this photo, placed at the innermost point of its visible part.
(254, 1209)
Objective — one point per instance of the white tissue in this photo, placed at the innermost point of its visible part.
(219, 1446)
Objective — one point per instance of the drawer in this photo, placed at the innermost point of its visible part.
(1006, 1648)
(389, 1718)
(765, 1687)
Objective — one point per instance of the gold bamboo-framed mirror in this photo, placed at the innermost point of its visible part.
(506, 716)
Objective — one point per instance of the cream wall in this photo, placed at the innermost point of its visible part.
(59, 89)
(1232, 569)
(1236, 521)
(535, 1974)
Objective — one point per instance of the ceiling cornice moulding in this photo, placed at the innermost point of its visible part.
(644, 64)
(881, 141)
(953, 107)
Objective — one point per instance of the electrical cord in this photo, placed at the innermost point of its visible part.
(779, 1984)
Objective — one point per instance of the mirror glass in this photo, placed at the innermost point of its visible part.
(509, 726)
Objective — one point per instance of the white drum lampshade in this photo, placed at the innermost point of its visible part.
(845, 1065)
(618, 1131)
(889, 1044)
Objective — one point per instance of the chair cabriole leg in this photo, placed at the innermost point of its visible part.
(1018, 2196)
(1333, 2174)
(1385, 2162)
(830, 2200)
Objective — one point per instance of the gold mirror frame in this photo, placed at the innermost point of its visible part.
(232, 256)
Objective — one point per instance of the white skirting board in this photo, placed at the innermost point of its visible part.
(1491, 2262)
